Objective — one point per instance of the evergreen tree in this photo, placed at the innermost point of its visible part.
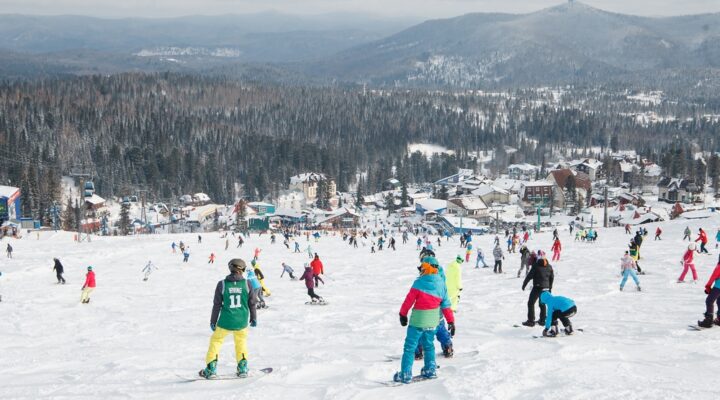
(404, 195)
(443, 195)
(359, 194)
(124, 220)
(240, 214)
(68, 217)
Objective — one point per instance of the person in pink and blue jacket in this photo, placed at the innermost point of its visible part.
(427, 297)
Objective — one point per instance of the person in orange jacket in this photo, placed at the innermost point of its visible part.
(318, 269)
(211, 260)
(88, 286)
(556, 248)
(702, 238)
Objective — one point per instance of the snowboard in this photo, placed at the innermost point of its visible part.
(317, 303)
(415, 379)
(253, 375)
(557, 336)
(439, 355)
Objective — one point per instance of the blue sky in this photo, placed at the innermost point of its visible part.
(393, 8)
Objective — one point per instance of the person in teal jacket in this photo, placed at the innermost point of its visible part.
(427, 297)
(256, 287)
(558, 307)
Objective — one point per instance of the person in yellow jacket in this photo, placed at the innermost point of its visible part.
(260, 277)
(453, 280)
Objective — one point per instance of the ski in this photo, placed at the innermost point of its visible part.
(254, 374)
(316, 303)
(556, 336)
(696, 328)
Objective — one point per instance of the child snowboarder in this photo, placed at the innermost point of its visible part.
(712, 289)
(59, 270)
(233, 310)
(88, 286)
(211, 260)
(687, 233)
(309, 279)
(427, 297)
(289, 270)
(688, 263)
(558, 307)
(635, 253)
(149, 268)
(480, 259)
(628, 267)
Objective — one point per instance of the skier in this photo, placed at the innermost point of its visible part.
(309, 279)
(256, 255)
(419, 243)
(256, 287)
(498, 255)
(524, 260)
(556, 248)
(318, 269)
(9, 251)
(59, 270)
(211, 260)
(309, 251)
(88, 286)
(702, 238)
(658, 232)
(173, 245)
(427, 296)
(186, 254)
(627, 229)
(628, 267)
(687, 233)
(199, 239)
(496, 241)
(480, 259)
(712, 289)
(542, 276)
(289, 270)
(558, 307)
(453, 280)
(149, 268)
(240, 242)
(297, 247)
(392, 243)
(233, 310)
(687, 263)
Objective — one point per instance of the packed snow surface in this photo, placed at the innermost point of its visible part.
(135, 337)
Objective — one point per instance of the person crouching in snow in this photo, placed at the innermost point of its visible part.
(712, 289)
(88, 286)
(558, 307)
(627, 264)
(149, 268)
(289, 270)
(309, 279)
(688, 263)
(427, 297)
(233, 310)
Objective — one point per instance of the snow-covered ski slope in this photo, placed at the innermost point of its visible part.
(134, 336)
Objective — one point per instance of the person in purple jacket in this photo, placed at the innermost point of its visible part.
(309, 279)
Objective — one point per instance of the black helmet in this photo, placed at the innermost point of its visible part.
(237, 265)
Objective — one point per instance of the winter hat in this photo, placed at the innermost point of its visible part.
(459, 259)
(89, 267)
(237, 265)
(692, 246)
(428, 269)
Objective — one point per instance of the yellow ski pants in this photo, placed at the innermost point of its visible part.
(217, 339)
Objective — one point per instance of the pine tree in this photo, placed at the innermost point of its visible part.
(404, 195)
(124, 218)
(240, 214)
(443, 195)
(359, 194)
(68, 217)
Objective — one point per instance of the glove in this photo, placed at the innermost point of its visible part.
(212, 327)
(549, 333)
(451, 328)
(707, 290)
(253, 323)
(403, 320)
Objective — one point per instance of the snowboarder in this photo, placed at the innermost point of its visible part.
(233, 310)
(627, 229)
(712, 289)
(289, 270)
(260, 277)
(257, 252)
(453, 280)
(297, 247)
(635, 254)
(318, 269)
(498, 255)
(211, 259)
(542, 276)
(688, 263)
(88, 286)
(556, 248)
(392, 244)
(186, 254)
(173, 245)
(687, 233)
(309, 251)
(240, 242)
(199, 239)
(9, 250)
(524, 260)
(480, 259)
(309, 279)
(628, 268)
(427, 297)
(59, 270)
(702, 238)
(419, 243)
(658, 232)
(148, 269)
(256, 287)
(558, 307)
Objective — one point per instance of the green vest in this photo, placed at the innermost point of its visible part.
(234, 313)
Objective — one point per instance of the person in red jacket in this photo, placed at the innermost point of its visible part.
(658, 232)
(712, 289)
(688, 263)
(556, 247)
(317, 267)
(88, 286)
(702, 238)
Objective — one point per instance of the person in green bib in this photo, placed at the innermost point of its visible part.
(233, 309)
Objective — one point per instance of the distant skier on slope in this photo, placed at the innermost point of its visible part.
(318, 269)
(289, 270)
(542, 276)
(498, 255)
(480, 259)
(688, 264)
(712, 289)
(148, 269)
(309, 279)
(687, 233)
(524, 260)
(628, 268)
(233, 310)
(702, 238)
(658, 233)
(59, 270)
(558, 307)
(427, 296)
(88, 286)
(556, 248)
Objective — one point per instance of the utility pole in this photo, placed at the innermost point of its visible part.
(81, 202)
(605, 217)
(143, 215)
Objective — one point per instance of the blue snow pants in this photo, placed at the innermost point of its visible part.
(415, 336)
(629, 273)
(442, 334)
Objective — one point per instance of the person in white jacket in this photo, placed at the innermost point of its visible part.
(149, 268)
(628, 269)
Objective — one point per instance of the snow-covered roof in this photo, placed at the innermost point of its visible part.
(7, 191)
(524, 167)
(627, 167)
(592, 163)
(485, 189)
(470, 203)
(467, 223)
(94, 199)
(307, 177)
(337, 213)
(201, 197)
(540, 183)
(432, 204)
(511, 185)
